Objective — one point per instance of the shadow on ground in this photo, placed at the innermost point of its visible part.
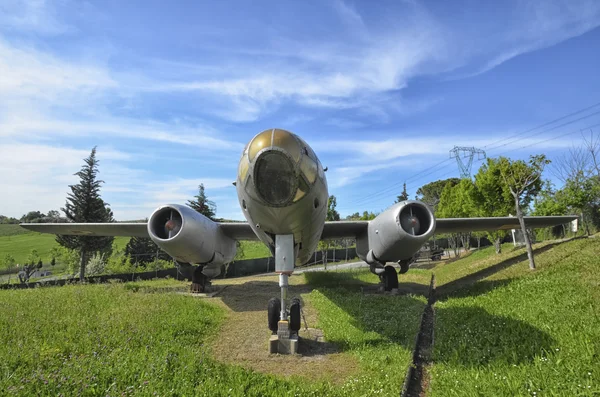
(454, 288)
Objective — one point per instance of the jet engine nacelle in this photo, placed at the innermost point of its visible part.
(399, 232)
(189, 236)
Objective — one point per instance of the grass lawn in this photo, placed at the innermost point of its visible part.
(116, 339)
(520, 332)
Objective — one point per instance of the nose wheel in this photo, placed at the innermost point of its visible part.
(274, 315)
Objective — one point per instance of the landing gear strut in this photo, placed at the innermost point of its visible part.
(199, 281)
(284, 325)
(389, 277)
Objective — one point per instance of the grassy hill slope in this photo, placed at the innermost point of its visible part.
(501, 329)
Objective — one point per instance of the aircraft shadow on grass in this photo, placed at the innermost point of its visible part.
(476, 336)
(481, 338)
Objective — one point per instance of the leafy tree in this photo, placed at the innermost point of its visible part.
(492, 197)
(8, 262)
(550, 202)
(332, 214)
(353, 217)
(524, 182)
(84, 204)
(430, 193)
(403, 196)
(8, 220)
(202, 204)
(456, 201)
(32, 216)
(581, 193)
(367, 216)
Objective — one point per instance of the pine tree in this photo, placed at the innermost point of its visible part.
(84, 204)
(143, 251)
(202, 204)
(404, 195)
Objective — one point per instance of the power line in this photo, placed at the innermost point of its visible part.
(543, 125)
(419, 176)
(547, 130)
(381, 194)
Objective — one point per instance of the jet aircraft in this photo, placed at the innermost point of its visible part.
(282, 191)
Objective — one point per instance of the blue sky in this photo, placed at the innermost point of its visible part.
(171, 92)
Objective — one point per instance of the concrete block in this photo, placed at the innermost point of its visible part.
(283, 345)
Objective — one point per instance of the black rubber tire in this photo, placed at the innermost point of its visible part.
(274, 313)
(403, 267)
(295, 315)
(390, 278)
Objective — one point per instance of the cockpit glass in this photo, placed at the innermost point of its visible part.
(259, 142)
(275, 178)
(288, 142)
(309, 169)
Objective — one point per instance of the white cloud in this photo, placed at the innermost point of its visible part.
(37, 178)
(30, 15)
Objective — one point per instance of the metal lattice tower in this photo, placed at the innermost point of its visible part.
(466, 152)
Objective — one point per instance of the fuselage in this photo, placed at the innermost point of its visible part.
(282, 189)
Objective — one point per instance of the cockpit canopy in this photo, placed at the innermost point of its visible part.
(283, 167)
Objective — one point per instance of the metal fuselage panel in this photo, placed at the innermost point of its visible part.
(303, 213)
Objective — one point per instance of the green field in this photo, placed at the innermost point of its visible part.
(500, 329)
(518, 332)
(116, 339)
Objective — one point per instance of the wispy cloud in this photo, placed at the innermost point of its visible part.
(31, 15)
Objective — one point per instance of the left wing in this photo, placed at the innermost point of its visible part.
(344, 229)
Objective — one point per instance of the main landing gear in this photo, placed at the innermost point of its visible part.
(389, 277)
(199, 281)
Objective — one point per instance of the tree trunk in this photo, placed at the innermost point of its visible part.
(498, 245)
(585, 225)
(81, 265)
(525, 234)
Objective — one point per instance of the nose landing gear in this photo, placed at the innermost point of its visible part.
(284, 323)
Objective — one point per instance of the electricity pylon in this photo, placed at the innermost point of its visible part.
(467, 152)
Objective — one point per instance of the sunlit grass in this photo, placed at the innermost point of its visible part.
(520, 332)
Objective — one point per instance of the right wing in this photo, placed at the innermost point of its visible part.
(453, 225)
(129, 229)
(234, 230)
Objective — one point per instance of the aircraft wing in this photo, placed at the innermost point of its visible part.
(453, 225)
(353, 229)
(344, 229)
(91, 229)
(235, 230)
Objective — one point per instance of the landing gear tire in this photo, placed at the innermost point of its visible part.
(390, 278)
(274, 313)
(295, 315)
(403, 267)
(198, 281)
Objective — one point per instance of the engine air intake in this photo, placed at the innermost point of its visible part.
(415, 219)
(166, 223)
